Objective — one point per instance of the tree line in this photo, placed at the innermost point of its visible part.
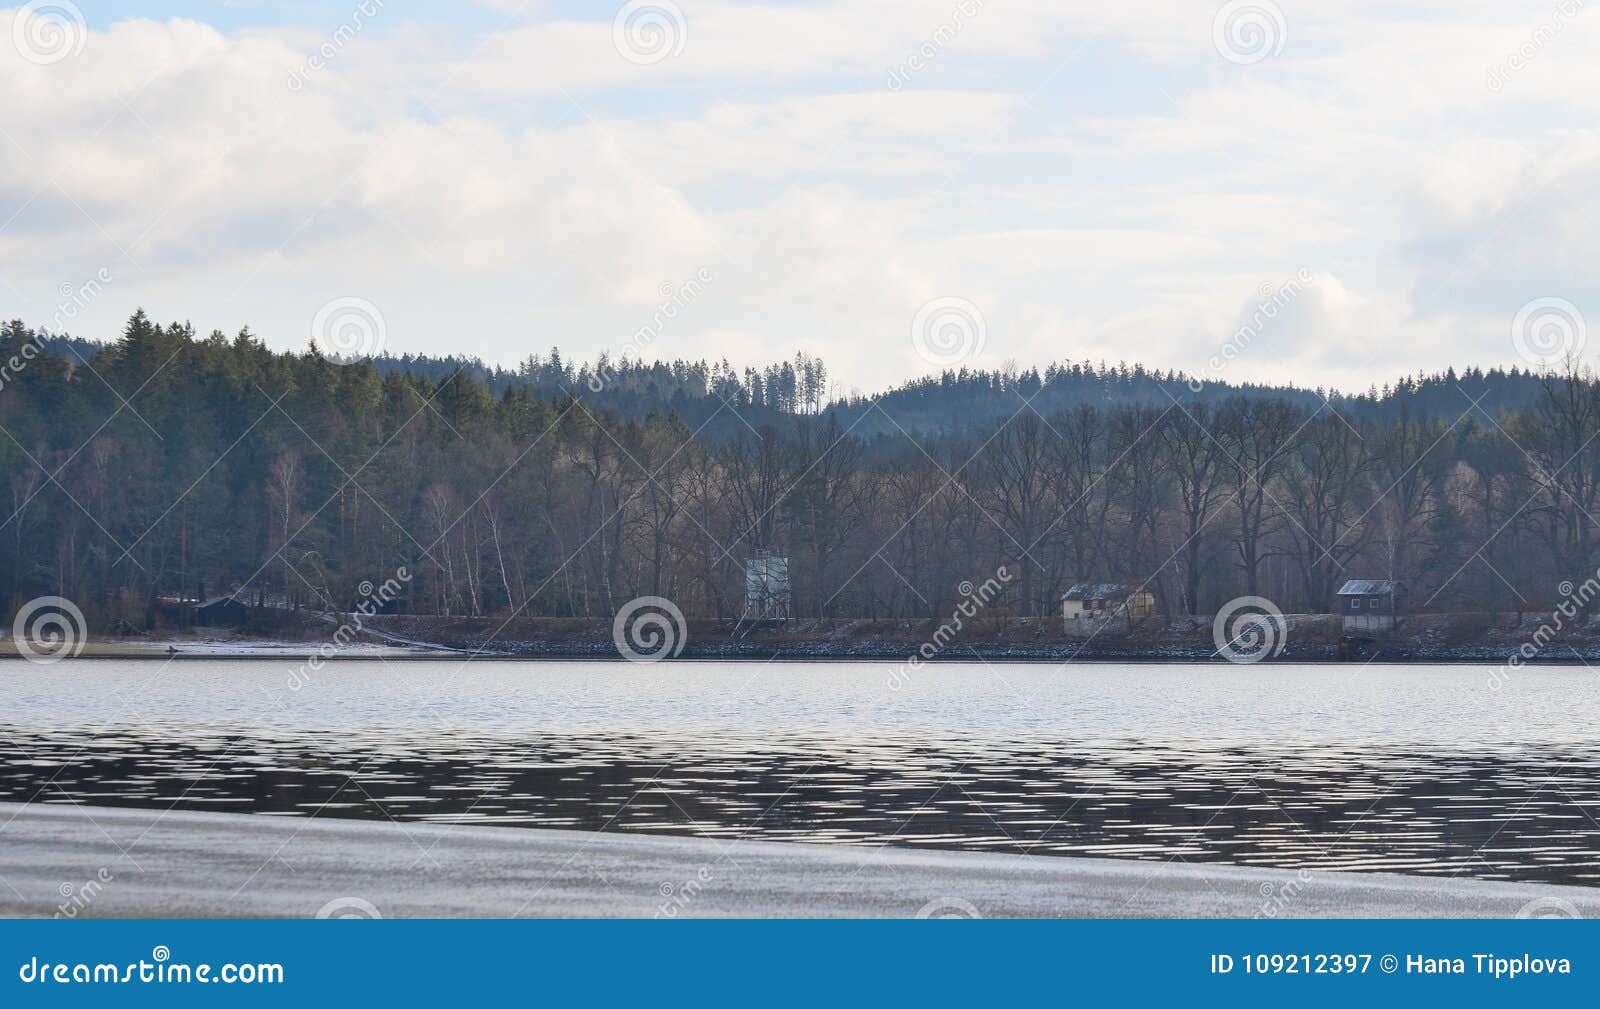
(167, 467)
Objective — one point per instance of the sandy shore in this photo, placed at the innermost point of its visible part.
(103, 862)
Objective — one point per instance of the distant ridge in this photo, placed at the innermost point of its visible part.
(721, 398)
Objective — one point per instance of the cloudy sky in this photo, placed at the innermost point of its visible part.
(890, 184)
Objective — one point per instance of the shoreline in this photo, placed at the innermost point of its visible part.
(877, 658)
(1312, 639)
(795, 659)
(119, 862)
(185, 650)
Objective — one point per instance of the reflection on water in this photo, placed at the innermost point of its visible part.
(1279, 777)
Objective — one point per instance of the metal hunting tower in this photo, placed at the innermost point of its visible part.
(766, 587)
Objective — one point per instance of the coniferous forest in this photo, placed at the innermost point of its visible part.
(163, 467)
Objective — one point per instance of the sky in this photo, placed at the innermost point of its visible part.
(1327, 194)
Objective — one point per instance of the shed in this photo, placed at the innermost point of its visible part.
(1088, 600)
(222, 611)
(1370, 604)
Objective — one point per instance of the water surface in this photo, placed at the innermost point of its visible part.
(1436, 769)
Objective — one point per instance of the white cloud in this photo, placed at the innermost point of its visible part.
(1101, 182)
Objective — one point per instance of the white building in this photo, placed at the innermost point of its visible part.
(1091, 600)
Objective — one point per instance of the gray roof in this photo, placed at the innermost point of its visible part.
(1368, 587)
(1099, 590)
(232, 597)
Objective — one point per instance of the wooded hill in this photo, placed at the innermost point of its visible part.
(165, 465)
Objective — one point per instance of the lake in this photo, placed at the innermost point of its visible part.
(1445, 770)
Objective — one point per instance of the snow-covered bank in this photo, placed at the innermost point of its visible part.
(103, 862)
(236, 647)
(1463, 638)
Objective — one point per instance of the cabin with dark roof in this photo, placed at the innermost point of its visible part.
(1088, 600)
(222, 611)
(1369, 605)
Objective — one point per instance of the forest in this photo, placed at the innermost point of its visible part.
(164, 467)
